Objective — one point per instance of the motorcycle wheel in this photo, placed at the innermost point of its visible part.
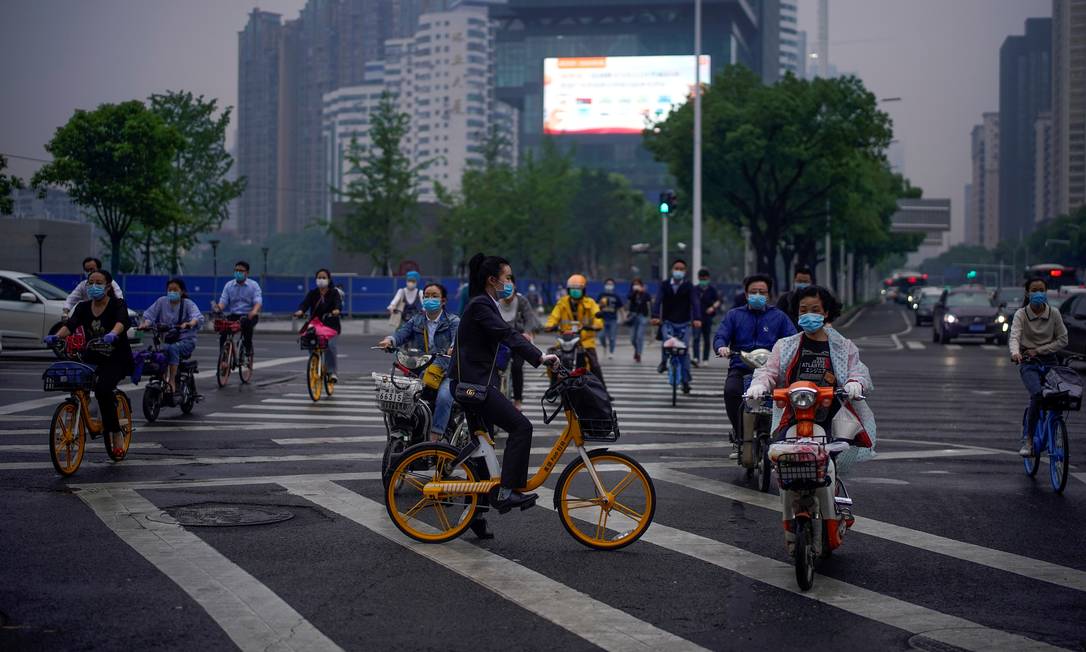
(190, 395)
(767, 468)
(805, 557)
(393, 448)
(152, 404)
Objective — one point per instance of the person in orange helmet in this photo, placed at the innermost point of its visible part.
(576, 307)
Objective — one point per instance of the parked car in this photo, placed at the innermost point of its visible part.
(31, 308)
(1073, 311)
(968, 312)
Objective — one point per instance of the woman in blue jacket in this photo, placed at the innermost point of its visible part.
(756, 325)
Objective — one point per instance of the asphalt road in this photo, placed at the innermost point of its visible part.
(954, 546)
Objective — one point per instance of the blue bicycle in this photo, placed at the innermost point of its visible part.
(675, 352)
(1050, 436)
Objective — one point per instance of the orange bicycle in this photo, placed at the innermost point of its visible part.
(605, 499)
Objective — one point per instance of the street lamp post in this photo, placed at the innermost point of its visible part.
(40, 237)
(214, 263)
(264, 276)
(697, 138)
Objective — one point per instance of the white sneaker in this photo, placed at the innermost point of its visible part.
(1027, 448)
(610, 356)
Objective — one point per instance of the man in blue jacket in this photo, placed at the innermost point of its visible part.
(757, 325)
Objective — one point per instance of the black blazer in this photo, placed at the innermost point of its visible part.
(316, 307)
(482, 330)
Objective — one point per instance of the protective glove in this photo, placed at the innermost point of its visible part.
(110, 338)
(724, 352)
(756, 391)
(854, 390)
(50, 340)
(548, 359)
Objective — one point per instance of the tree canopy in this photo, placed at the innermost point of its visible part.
(8, 184)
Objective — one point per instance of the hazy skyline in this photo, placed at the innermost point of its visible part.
(940, 57)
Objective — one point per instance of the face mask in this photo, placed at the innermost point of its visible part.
(811, 322)
(609, 287)
(322, 282)
(430, 304)
(1038, 298)
(800, 286)
(703, 283)
(506, 291)
(757, 301)
(411, 285)
(531, 288)
(239, 276)
(637, 288)
(678, 274)
(576, 293)
(174, 297)
(96, 291)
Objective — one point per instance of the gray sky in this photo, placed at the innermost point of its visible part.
(939, 56)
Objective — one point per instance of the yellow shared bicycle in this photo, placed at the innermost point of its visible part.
(605, 499)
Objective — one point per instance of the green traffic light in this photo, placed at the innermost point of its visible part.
(971, 274)
(664, 208)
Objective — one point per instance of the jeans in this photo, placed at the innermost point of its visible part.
(608, 335)
(180, 349)
(681, 331)
(637, 333)
(1033, 378)
(330, 355)
(442, 406)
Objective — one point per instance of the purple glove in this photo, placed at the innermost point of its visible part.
(50, 340)
(110, 338)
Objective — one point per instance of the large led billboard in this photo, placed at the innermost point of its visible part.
(615, 95)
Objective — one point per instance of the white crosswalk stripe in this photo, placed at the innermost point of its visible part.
(915, 345)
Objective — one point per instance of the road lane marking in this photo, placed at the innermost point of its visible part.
(921, 455)
(989, 347)
(1005, 561)
(572, 610)
(144, 430)
(253, 616)
(37, 448)
(625, 407)
(302, 441)
(880, 608)
(915, 345)
(954, 347)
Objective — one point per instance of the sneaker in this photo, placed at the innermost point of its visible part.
(637, 357)
(610, 356)
(1027, 448)
(662, 367)
(332, 378)
(694, 363)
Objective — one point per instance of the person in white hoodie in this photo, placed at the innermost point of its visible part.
(407, 302)
(79, 294)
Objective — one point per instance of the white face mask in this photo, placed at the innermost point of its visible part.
(322, 282)
(411, 285)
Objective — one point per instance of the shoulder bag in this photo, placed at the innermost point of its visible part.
(471, 394)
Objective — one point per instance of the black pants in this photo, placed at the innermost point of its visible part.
(247, 326)
(733, 398)
(703, 340)
(516, 367)
(498, 411)
(594, 362)
(109, 374)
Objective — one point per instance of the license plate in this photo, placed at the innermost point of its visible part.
(391, 396)
(977, 328)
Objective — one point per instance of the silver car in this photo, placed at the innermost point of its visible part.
(31, 308)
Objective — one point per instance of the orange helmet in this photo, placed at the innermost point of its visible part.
(576, 281)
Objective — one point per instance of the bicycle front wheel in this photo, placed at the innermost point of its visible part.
(329, 386)
(615, 519)
(124, 417)
(226, 361)
(429, 519)
(314, 376)
(1059, 458)
(1031, 462)
(67, 438)
(245, 366)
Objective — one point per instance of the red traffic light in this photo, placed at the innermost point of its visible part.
(1055, 273)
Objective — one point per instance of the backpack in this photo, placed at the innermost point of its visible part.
(590, 401)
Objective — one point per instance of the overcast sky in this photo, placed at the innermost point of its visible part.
(940, 56)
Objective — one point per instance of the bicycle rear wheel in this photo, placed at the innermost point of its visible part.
(1059, 458)
(245, 364)
(124, 417)
(226, 363)
(1031, 462)
(612, 521)
(67, 438)
(314, 376)
(429, 519)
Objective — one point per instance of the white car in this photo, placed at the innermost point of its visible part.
(31, 308)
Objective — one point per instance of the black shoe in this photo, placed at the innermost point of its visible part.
(661, 368)
(686, 388)
(695, 363)
(478, 527)
(515, 499)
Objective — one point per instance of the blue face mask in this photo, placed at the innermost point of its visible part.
(174, 297)
(678, 274)
(239, 276)
(507, 291)
(800, 286)
(430, 304)
(811, 322)
(757, 301)
(1038, 298)
(96, 291)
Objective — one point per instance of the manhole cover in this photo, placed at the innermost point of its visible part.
(223, 515)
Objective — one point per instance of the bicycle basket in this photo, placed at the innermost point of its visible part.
(1062, 389)
(310, 341)
(396, 395)
(227, 326)
(67, 377)
(600, 429)
(802, 470)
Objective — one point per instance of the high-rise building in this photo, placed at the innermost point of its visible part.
(823, 48)
(793, 46)
(258, 124)
(1044, 178)
(530, 31)
(1069, 104)
(1025, 91)
(443, 78)
(982, 219)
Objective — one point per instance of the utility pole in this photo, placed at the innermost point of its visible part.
(828, 278)
(40, 237)
(697, 138)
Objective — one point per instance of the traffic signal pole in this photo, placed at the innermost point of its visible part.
(697, 141)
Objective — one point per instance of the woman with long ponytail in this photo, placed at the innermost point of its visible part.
(482, 332)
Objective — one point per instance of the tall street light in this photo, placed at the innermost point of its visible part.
(264, 277)
(214, 263)
(40, 237)
(697, 137)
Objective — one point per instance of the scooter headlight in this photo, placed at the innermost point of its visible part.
(803, 399)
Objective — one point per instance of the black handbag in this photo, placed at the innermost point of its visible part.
(471, 394)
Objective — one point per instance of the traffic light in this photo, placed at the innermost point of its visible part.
(971, 274)
(667, 203)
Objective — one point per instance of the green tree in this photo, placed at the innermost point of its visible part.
(383, 195)
(198, 180)
(8, 184)
(116, 161)
(776, 158)
(612, 216)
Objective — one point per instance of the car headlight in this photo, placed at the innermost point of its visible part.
(1000, 319)
(950, 319)
(803, 398)
(916, 306)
